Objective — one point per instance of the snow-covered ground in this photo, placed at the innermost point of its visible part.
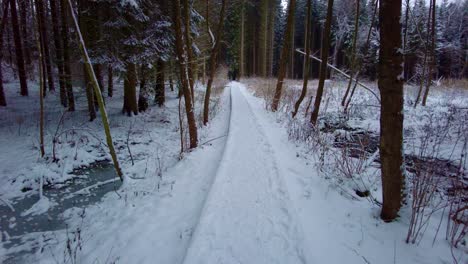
(248, 194)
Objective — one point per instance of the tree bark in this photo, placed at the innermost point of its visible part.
(110, 81)
(143, 94)
(130, 101)
(89, 95)
(353, 53)
(66, 56)
(323, 66)
(432, 64)
(285, 53)
(405, 40)
(305, 74)
(263, 37)
(391, 118)
(42, 86)
(182, 60)
(24, 6)
(160, 94)
(44, 38)
(58, 50)
(2, 30)
(214, 53)
(188, 47)
(18, 49)
(242, 39)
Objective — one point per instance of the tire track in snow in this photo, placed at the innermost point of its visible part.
(247, 216)
(202, 206)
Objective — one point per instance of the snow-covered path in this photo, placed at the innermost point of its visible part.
(248, 216)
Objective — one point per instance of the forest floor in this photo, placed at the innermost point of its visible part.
(251, 193)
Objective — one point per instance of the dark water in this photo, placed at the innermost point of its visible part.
(90, 185)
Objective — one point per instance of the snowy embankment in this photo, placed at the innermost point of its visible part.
(152, 138)
(334, 166)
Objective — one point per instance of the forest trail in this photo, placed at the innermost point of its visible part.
(248, 216)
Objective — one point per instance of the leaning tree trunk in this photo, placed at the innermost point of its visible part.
(66, 56)
(306, 60)
(160, 93)
(214, 53)
(323, 66)
(98, 71)
(285, 53)
(18, 49)
(130, 101)
(176, 13)
(102, 109)
(58, 50)
(391, 112)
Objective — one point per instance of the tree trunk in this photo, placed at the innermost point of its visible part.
(432, 63)
(171, 82)
(98, 71)
(44, 38)
(271, 38)
(42, 86)
(426, 58)
(353, 54)
(391, 119)
(182, 60)
(2, 92)
(89, 95)
(263, 37)
(160, 94)
(242, 40)
(366, 47)
(291, 56)
(305, 74)
(130, 101)
(66, 56)
(24, 6)
(285, 53)
(143, 94)
(110, 81)
(2, 30)
(58, 50)
(405, 40)
(18, 49)
(102, 109)
(188, 47)
(323, 66)
(214, 53)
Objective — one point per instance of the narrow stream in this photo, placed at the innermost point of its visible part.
(90, 185)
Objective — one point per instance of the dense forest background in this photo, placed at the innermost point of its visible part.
(136, 40)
